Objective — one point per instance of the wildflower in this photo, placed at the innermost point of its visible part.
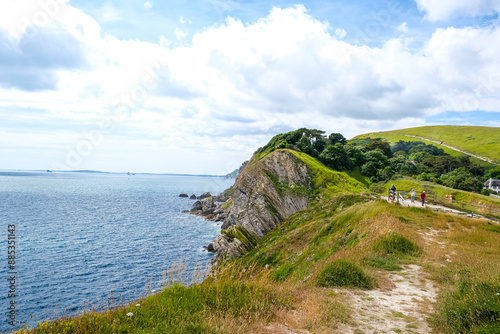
(130, 314)
(137, 305)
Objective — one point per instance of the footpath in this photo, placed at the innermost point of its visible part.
(435, 207)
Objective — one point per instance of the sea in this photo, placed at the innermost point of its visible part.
(86, 241)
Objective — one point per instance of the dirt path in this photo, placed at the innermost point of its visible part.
(455, 149)
(401, 304)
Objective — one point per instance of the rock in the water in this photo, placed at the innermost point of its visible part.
(183, 195)
(197, 206)
(193, 197)
(185, 211)
(210, 248)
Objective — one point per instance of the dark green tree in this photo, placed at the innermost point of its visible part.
(304, 144)
(383, 146)
(335, 156)
(337, 138)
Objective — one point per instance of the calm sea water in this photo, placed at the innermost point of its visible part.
(88, 238)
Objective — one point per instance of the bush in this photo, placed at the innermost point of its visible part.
(344, 274)
(377, 188)
(487, 192)
(397, 245)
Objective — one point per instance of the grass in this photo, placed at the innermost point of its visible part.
(342, 239)
(226, 304)
(330, 182)
(407, 184)
(473, 308)
(482, 141)
(344, 274)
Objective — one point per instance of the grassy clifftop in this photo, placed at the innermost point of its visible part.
(477, 140)
(349, 263)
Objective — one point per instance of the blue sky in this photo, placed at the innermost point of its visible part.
(197, 86)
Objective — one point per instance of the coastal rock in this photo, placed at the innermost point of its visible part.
(193, 197)
(265, 192)
(210, 248)
(183, 195)
(197, 206)
(205, 195)
(207, 203)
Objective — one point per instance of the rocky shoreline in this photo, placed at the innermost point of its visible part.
(210, 207)
(265, 192)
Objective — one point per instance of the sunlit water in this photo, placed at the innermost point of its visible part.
(88, 238)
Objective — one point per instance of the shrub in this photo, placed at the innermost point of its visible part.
(397, 245)
(377, 188)
(345, 274)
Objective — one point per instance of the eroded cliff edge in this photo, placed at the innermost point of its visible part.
(267, 191)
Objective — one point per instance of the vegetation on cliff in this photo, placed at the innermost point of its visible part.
(337, 260)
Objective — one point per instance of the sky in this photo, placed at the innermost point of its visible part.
(195, 87)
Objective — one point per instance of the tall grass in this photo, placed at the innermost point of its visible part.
(222, 303)
(473, 308)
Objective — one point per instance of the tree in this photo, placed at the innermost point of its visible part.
(337, 138)
(304, 144)
(355, 154)
(383, 146)
(369, 169)
(335, 157)
(462, 179)
(378, 158)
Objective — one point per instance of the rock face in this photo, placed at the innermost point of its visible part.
(265, 192)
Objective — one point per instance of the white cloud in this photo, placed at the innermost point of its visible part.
(237, 84)
(340, 33)
(445, 9)
(148, 5)
(179, 34)
(403, 27)
(109, 13)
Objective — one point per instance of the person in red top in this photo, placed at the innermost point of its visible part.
(422, 197)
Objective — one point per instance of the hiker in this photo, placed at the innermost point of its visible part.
(422, 197)
(392, 192)
(412, 194)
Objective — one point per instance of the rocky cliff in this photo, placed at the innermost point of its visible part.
(265, 192)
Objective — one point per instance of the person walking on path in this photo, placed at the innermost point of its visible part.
(392, 192)
(422, 197)
(412, 194)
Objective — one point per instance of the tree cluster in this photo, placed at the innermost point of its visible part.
(378, 160)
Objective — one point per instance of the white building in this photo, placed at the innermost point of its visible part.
(492, 184)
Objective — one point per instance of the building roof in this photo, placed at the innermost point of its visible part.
(494, 183)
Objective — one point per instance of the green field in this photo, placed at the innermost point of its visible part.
(482, 141)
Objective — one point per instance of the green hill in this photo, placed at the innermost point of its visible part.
(337, 259)
(475, 140)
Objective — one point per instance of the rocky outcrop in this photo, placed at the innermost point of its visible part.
(265, 192)
(183, 195)
(193, 197)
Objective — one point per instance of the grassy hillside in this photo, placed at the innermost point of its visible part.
(482, 141)
(332, 269)
(349, 263)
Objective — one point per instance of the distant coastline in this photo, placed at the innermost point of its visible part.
(101, 172)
